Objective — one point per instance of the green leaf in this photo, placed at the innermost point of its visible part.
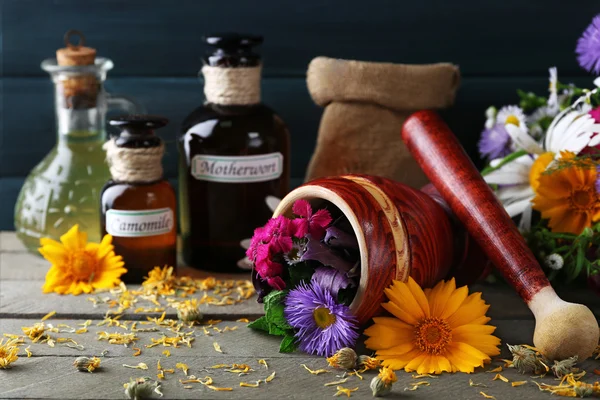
(504, 161)
(578, 263)
(260, 324)
(277, 331)
(288, 344)
(274, 297)
(276, 316)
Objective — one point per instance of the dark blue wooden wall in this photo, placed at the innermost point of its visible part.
(155, 44)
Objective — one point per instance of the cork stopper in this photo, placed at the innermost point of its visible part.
(73, 55)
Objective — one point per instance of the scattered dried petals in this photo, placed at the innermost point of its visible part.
(246, 320)
(476, 384)
(219, 389)
(497, 369)
(28, 351)
(252, 385)
(334, 383)
(138, 351)
(518, 383)
(217, 347)
(263, 362)
(342, 390)
(315, 372)
(424, 376)
(270, 377)
(139, 366)
(182, 367)
(500, 377)
(167, 353)
(49, 315)
(416, 385)
(220, 366)
(487, 396)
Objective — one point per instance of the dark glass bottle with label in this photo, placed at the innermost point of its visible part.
(234, 152)
(139, 207)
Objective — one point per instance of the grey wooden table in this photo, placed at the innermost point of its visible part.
(49, 373)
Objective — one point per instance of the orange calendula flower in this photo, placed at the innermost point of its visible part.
(431, 331)
(78, 266)
(568, 197)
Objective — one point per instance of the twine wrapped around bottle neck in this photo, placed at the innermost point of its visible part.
(232, 86)
(134, 165)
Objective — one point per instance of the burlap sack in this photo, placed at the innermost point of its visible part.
(366, 104)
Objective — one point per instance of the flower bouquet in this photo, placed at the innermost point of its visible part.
(306, 272)
(543, 156)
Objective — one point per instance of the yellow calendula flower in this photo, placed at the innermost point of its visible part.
(78, 266)
(431, 331)
(8, 353)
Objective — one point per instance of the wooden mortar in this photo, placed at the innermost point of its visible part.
(562, 329)
(401, 231)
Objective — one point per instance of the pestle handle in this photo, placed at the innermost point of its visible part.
(444, 161)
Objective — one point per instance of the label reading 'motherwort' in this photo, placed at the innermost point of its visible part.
(121, 223)
(238, 169)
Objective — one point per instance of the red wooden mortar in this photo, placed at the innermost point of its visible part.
(401, 231)
(562, 329)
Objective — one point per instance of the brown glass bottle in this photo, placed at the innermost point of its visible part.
(234, 152)
(139, 206)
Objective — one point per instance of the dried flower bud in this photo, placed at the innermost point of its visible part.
(554, 261)
(564, 367)
(583, 389)
(526, 360)
(381, 385)
(188, 311)
(141, 388)
(366, 363)
(344, 358)
(86, 363)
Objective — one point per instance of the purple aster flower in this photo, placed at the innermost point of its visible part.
(336, 237)
(588, 47)
(495, 142)
(323, 326)
(332, 280)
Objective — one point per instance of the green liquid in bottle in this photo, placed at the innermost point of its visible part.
(63, 190)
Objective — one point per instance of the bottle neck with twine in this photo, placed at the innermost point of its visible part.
(134, 164)
(232, 86)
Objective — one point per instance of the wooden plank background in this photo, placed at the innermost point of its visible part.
(156, 47)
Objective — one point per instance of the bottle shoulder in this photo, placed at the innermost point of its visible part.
(137, 196)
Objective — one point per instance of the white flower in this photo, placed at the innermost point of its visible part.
(554, 261)
(533, 120)
(553, 89)
(597, 81)
(512, 115)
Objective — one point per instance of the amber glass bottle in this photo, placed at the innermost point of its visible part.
(234, 152)
(138, 205)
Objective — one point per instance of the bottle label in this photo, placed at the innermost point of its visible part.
(139, 223)
(238, 169)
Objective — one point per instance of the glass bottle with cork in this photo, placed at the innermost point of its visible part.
(64, 188)
(138, 205)
(234, 152)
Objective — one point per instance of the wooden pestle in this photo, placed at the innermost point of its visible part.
(562, 329)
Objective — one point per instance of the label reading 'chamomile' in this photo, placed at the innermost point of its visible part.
(139, 223)
(238, 169)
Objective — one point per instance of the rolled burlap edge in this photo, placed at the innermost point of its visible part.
(396, 86)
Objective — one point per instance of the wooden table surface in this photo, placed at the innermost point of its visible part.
(49, 373)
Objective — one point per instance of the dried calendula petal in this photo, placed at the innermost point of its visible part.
(182, 367)
(270, 377)
(220, 366)
(497, 369)
(487, 396)
(500, 377)
(342, 390)
(518, 383)
(252, 385)
(28, 351)
(421, 376)
(219, 389)
(166, 353)
(246, 320)
(315, 372)
(217, 347)
(334, 383)
(49, 315)
(263, 362)
(139, 366)
(471, 383)
(137, 352)
(416, 385)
